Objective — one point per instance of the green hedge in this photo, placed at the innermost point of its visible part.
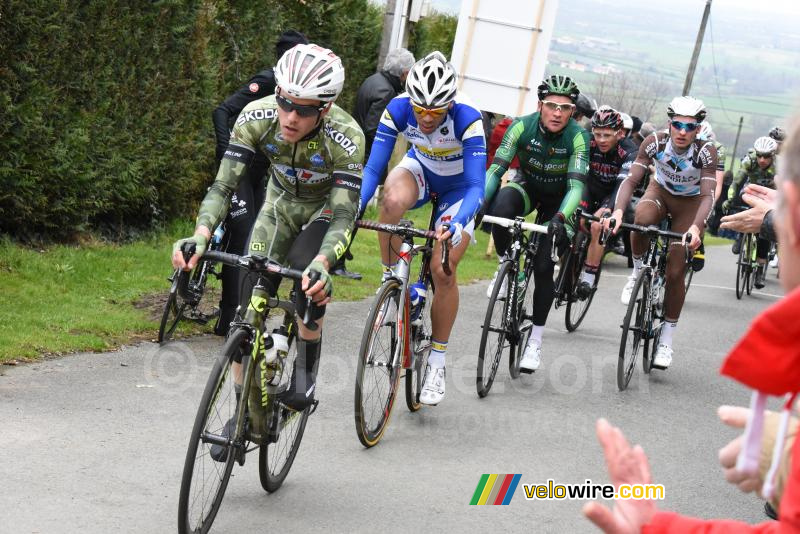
(106, 105)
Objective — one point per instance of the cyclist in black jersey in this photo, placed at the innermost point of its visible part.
(610, 160)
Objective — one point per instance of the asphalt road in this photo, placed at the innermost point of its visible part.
(94, 443)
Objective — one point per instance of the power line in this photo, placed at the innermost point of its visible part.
(714, 62)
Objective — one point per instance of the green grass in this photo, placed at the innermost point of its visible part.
(98, 296)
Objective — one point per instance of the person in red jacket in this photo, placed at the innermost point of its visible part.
(766, 359)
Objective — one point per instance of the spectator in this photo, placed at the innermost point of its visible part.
(766, 359)
(249, 197)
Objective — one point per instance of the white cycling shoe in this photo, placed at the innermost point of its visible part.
(532, 357)
(663, 356)
(625, 298)
(433, 389)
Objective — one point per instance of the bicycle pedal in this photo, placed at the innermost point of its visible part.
(313, 407)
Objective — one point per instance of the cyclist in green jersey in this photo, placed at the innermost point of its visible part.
(761, 173)
(553, 153)
(316, 152)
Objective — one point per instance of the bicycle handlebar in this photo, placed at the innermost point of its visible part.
(409, 231)
(511, 223)
(651, 230)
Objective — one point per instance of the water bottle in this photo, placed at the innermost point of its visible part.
(216, 239)
(417, 293)
(281, 339)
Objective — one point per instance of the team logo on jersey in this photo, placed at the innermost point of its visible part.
(313, 145)
(676, 164)
(444, 131)
(254, 87)
(316, 160)
(255, 115)
(551, 151)
(272, 149)
(341, 139)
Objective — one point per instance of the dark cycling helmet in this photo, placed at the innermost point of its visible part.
(607, 117)
(558, 85)
(777, 133)
(585, 105)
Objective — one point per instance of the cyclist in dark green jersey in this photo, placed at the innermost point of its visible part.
(553, 153)
(316, 152)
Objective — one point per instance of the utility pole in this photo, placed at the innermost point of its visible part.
(687, 85)
(736, 143)
(386, 36)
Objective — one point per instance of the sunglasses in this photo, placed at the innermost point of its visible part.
(303, 110)
(433, 112)
(688, 126)
(764, 156)
(603, 135)
(555, 106)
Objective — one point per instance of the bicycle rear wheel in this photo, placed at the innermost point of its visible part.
(496, 334)
(173, 311)
(634, 330)
(204, 479)
(421, 347)
(378, 374)
(576, 308)
(275, 459)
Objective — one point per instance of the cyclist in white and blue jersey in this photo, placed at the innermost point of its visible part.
(447, 158)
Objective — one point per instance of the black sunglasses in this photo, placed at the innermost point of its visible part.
(304, 110)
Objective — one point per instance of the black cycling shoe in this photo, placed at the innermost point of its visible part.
(583, 290)
(770, 512)
(737, 245)
(761, 276)
(300, 393)
(219, 453)
(344, 273)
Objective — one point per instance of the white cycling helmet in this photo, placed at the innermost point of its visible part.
(431, 82)
(627, 121)
(687, 106)
(765, 145)
(310, 71)
(706, 133)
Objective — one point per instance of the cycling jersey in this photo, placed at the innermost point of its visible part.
(550, 165)
(682, 174)
(318, 175)
(752, 174)
(453, 157)
(608, 170)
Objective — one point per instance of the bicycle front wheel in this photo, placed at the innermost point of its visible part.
(741, 270)
(577, 308)
(276, 458)
(379, 365)
(212, 452)
(173, 311)
(687, 278)
(496, 334)
(751, 262)
(634, 330)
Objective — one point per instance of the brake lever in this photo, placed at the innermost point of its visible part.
(446, 253)
(311, 324)
(605, 234)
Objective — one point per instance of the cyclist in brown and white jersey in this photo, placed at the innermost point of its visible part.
(683, 187)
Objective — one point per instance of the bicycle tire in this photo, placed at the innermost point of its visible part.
(741, 271)
(636, 312)
(173, 312)
(484, 379)
(751, 264)
(687, 277)
(576, 308)
(219, 388)
(271, 471)
(369, 434)
(421, 346)
(524, 322)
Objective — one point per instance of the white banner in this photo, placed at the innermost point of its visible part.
(500, 52)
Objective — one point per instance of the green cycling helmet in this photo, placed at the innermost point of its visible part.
(558, 85)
